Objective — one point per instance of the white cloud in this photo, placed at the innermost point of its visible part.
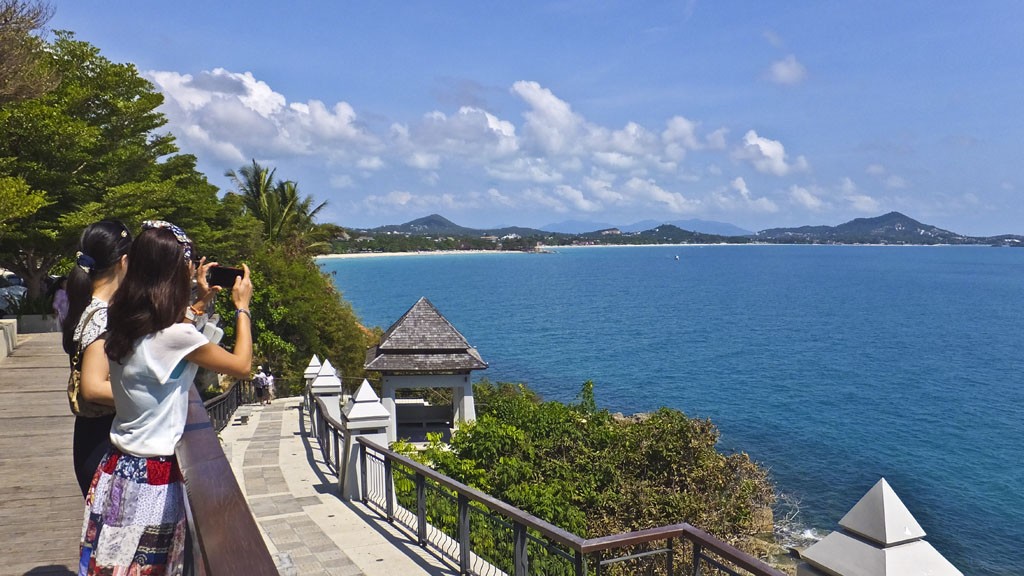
(551, 125)
(895, 182)
(716, 139)
(679, 135)
(232, 115)
(743, 199)
(804, 197)
(875, 169)
(615, 160)
(768, 156)
(650, 192)
(423, 160)
(525, 169)
(341, 181)
(788, 71)
(370, 163)
(863, 203)
(577, 199)
(540, 198)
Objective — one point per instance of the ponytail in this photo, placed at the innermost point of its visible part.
(99, 249)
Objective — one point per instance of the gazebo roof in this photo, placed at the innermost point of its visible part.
(423, 340)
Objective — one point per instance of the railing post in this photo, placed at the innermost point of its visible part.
(389, 489)
(362, 473)
(520, 561)
(337, 451)
(671, 556)
(697, 551)
(580, 564)
(463, 527)
(421, 509)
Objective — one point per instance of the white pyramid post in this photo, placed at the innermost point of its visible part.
(363, 416)
(312, 369)
(326, 382)
(877, 537)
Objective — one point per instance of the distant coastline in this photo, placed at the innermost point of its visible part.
(553, 249)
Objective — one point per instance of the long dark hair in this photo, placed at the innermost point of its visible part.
(101, 246)
(153, 294)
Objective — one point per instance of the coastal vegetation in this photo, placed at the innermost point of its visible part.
(434, 232)
(595, 474)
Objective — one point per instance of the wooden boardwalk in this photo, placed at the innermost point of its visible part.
(41, 508)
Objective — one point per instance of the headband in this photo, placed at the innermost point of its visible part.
(179, 235)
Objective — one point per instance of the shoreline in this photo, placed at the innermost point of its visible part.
(554, 249)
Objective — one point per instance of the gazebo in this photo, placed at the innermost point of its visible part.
(423, 350)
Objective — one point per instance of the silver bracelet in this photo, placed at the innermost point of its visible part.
(243, 311)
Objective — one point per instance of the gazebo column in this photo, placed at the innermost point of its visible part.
(387, 398)
(462, 398)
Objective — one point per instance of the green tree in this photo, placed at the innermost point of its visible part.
(24, 70)
(91, 146)
(17, 200)
(284, 213)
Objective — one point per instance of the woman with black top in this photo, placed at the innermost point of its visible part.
(100, 265)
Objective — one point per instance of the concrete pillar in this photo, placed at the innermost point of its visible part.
(312, 369)
(363, 416)
(326, 382)
(465, 407)
(877, 537)
(388, 400)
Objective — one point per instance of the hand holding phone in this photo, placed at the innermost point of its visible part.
(224, 276)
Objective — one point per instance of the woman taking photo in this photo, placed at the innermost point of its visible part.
(135, 515)
(100, 265)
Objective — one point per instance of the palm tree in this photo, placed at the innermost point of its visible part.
(275, 203)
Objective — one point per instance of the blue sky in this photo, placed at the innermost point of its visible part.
(760, 114)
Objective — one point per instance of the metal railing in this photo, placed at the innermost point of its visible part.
(478, 534)
(219, 520)
(221, 408)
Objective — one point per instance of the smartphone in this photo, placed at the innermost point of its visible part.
(224, 277)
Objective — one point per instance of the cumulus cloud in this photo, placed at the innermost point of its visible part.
(551, 125)
(525, 169)
(788, 71)
(768, 156)
(743, 199)
(554, 157)
(806, 198)
(857, 200)
(649, 191)
(577, 199)
(234, 116)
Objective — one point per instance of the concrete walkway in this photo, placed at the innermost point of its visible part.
(308, 529)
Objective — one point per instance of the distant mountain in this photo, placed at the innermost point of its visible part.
(694, 225)
(891, 228)
(576, 227)
(437, 225)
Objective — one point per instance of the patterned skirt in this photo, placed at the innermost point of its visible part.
(134, 517)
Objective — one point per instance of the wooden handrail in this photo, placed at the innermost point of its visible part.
(226, 539)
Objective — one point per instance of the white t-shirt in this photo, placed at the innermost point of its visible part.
(151, 391)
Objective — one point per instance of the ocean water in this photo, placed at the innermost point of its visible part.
(831, 365)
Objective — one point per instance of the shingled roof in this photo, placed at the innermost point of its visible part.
(423, 341)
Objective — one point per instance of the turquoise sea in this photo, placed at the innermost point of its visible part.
(831, 365)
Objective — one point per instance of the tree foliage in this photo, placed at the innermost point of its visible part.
(276, 203)
(87, 145)
(24, 70)
(594, 474)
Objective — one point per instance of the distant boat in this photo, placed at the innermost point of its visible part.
(677, 256)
